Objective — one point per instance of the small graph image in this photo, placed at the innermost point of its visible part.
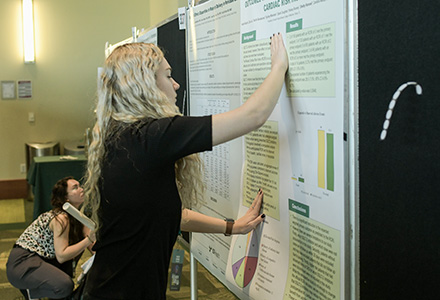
(316, 167)
(245, 258)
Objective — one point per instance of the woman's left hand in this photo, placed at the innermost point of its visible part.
(92, 237)
(252, 217)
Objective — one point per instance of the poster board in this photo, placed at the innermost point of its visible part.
(399, 175)
(171, 40)
(298, 157)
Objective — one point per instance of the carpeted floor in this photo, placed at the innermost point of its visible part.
(16, 214)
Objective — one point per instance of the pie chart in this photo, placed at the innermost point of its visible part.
(245, 258)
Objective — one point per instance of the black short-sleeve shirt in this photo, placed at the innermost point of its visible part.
(140, 206)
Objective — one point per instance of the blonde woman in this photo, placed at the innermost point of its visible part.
(144, 172)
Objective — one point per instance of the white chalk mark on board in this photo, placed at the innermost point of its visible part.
(392, 105)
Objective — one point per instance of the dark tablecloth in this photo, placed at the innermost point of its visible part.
(45, 171)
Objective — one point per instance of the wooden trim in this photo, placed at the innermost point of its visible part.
(13, 189)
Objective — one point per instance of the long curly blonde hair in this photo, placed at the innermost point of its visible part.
(128, 93)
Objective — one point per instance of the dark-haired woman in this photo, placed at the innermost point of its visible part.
(41, 262)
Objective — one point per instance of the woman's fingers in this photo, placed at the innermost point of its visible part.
(256, 204)
(278, 52)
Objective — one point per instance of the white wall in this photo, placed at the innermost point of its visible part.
(70, 38)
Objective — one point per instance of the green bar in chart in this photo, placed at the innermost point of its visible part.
(330, 163)
(326, 163)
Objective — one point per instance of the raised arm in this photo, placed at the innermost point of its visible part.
(193, 221)
(255, 111)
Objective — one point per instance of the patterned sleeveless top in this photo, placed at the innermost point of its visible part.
(38, 237)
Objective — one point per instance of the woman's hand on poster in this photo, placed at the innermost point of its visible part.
(278, 53)
(252, 218)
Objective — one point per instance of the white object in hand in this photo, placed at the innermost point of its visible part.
(79, 215)
(86, 267)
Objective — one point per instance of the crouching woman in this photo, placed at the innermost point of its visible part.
(42, 260)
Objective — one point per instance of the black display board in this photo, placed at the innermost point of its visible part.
(172, 42)
(399, 42)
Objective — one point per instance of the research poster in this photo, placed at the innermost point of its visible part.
(214, 87)
(296, 157)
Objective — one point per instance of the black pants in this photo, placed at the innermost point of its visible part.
(27, 270)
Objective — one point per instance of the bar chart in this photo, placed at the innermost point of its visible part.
(316, 163)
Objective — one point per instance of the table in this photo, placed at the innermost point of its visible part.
(45, 171)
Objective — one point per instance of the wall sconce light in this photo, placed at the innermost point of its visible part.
(28, 31)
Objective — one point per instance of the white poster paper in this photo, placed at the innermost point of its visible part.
(296, 157)
(214, 87)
